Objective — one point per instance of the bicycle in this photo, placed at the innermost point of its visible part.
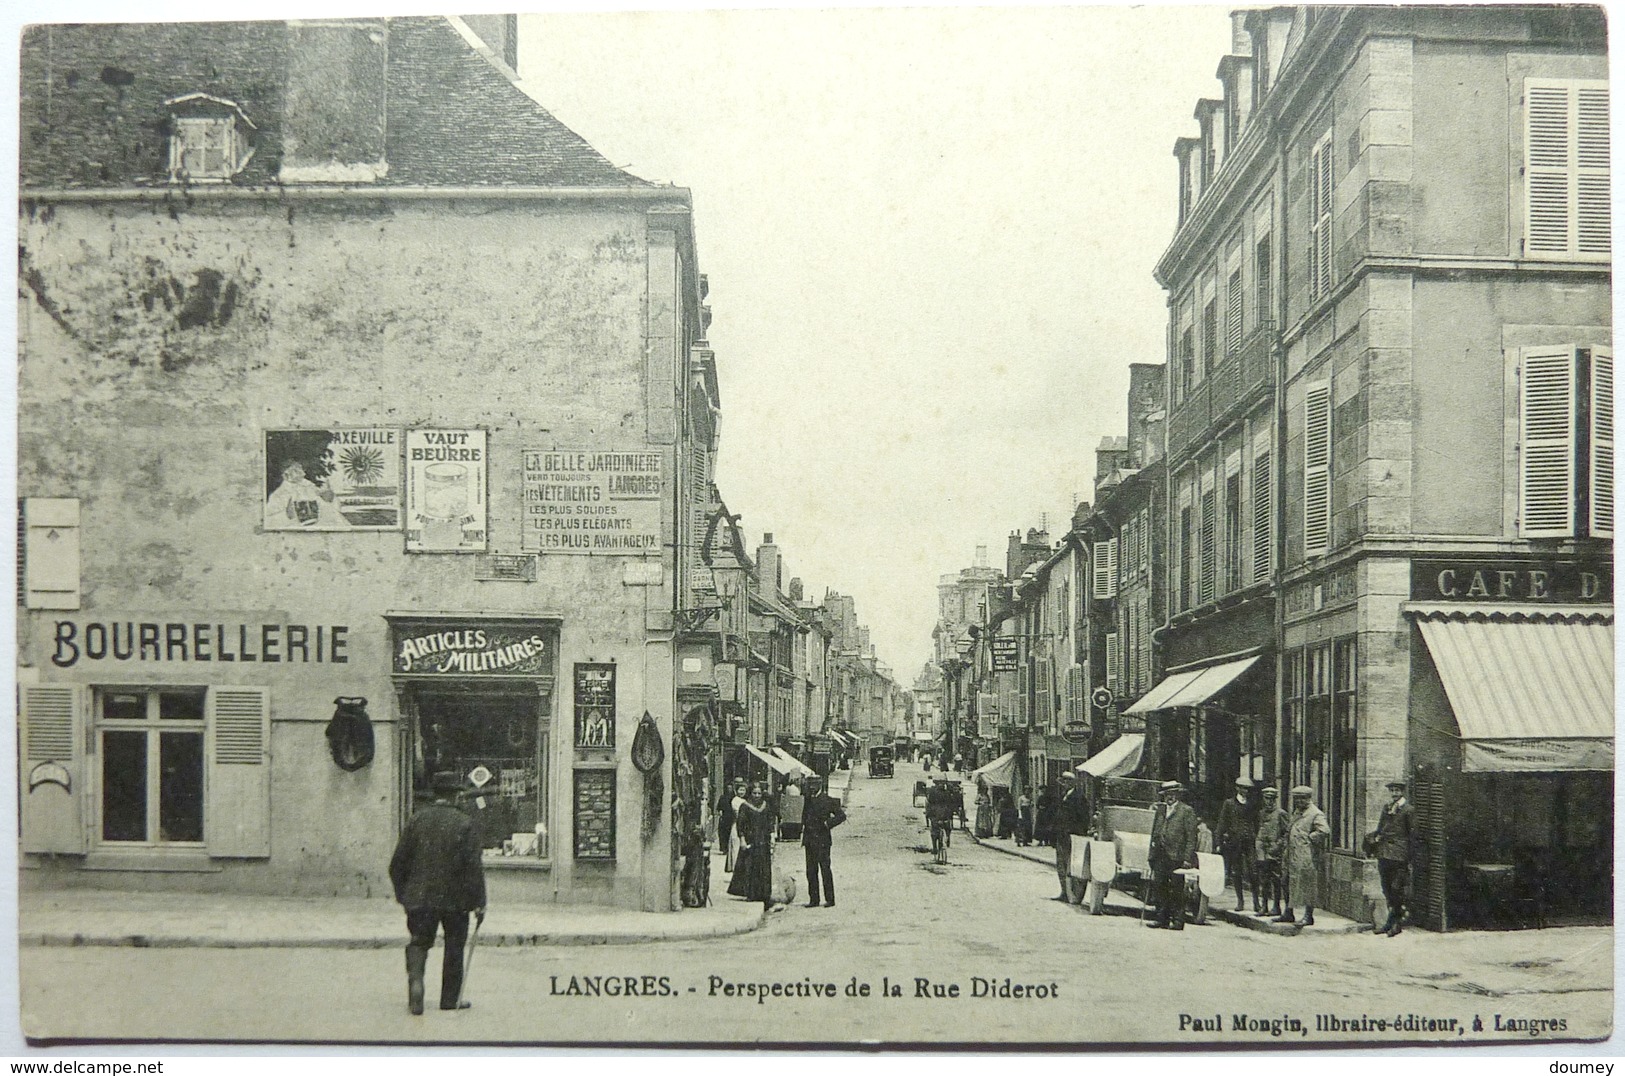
(941, 837)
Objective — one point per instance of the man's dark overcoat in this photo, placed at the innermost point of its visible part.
(437, 862)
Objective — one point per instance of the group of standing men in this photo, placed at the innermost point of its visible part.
(1282, 853)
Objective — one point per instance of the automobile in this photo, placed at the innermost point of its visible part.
(880, 762)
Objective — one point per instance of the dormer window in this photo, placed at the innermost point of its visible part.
(210, 139)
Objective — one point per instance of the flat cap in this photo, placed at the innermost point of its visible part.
(1172, 786)
(1396, 783)
(1244, 782)
(1302, 790)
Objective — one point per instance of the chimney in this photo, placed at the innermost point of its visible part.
(500, 34)
(795, 589)
(981, 556)
(768, 566)
(333, 120)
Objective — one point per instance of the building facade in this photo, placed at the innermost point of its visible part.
(275, 574)
(1390, 462)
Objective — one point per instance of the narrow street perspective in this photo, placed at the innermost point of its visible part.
(978, 942)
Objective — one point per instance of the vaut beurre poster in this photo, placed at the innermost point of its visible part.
(445, 491)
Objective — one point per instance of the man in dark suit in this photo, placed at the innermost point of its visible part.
(820, 813)
(1173, 846)
(1394, 842)
(1071, 823)
(438, 879)
(1233, 834)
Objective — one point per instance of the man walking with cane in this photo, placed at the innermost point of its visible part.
(438, 878)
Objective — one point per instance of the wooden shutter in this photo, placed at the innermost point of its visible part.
(699, 492)
(1592, 179)
(1233, 298)
(237, 803)
(1566, 170)
(1546, 443)
(1075, 691)
(50, 741)
(51, 558)
(1263, 516)
(1320, 217)
(1317, 469)
(1602, 442)
(1209, 546)
(1104, 565)
(1113, 664)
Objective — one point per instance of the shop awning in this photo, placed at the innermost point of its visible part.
(1192, 687)
(1117, 758)
(1157, 698)
(1532, 688)
(797, 765)
(775, 763)
(923, 737)
(1210, 681)
(999, 771)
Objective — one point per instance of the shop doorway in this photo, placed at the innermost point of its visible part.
(495, 736)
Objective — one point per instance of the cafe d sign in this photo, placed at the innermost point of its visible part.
(1559, 582)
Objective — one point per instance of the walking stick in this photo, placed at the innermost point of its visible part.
(468, 955)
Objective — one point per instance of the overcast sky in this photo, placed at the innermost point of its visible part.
(929, 234)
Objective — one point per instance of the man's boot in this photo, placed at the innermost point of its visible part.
(1309, 916)
(416, 958)
(1284, 917)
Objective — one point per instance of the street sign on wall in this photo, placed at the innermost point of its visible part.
(1005, 653)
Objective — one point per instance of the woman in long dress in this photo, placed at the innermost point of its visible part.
(753, 872)
(730, 823)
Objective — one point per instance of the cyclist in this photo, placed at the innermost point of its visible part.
(940, 807)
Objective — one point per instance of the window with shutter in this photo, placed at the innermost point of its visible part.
(1262, 281)
(1602, 443)
(1210, 336)
(1546, 442)
(1263, 516)
(1209, 541)
(1104, 567)
(51, 555)
(237, 813)
(1114, 681)
(1566, 169)
(1317, 470)
(1320, 217)
(53, 771)
(1233, 300)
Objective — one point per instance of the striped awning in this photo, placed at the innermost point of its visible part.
(1532, 687)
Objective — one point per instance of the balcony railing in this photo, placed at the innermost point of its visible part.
(1236, 384)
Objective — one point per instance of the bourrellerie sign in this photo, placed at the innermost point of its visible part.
(465, 649)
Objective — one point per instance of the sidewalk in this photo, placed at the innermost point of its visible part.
(1325, 922)
(187, 920)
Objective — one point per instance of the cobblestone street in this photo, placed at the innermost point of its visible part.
(955, 941)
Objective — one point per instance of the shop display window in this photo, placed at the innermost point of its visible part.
(498, 743)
